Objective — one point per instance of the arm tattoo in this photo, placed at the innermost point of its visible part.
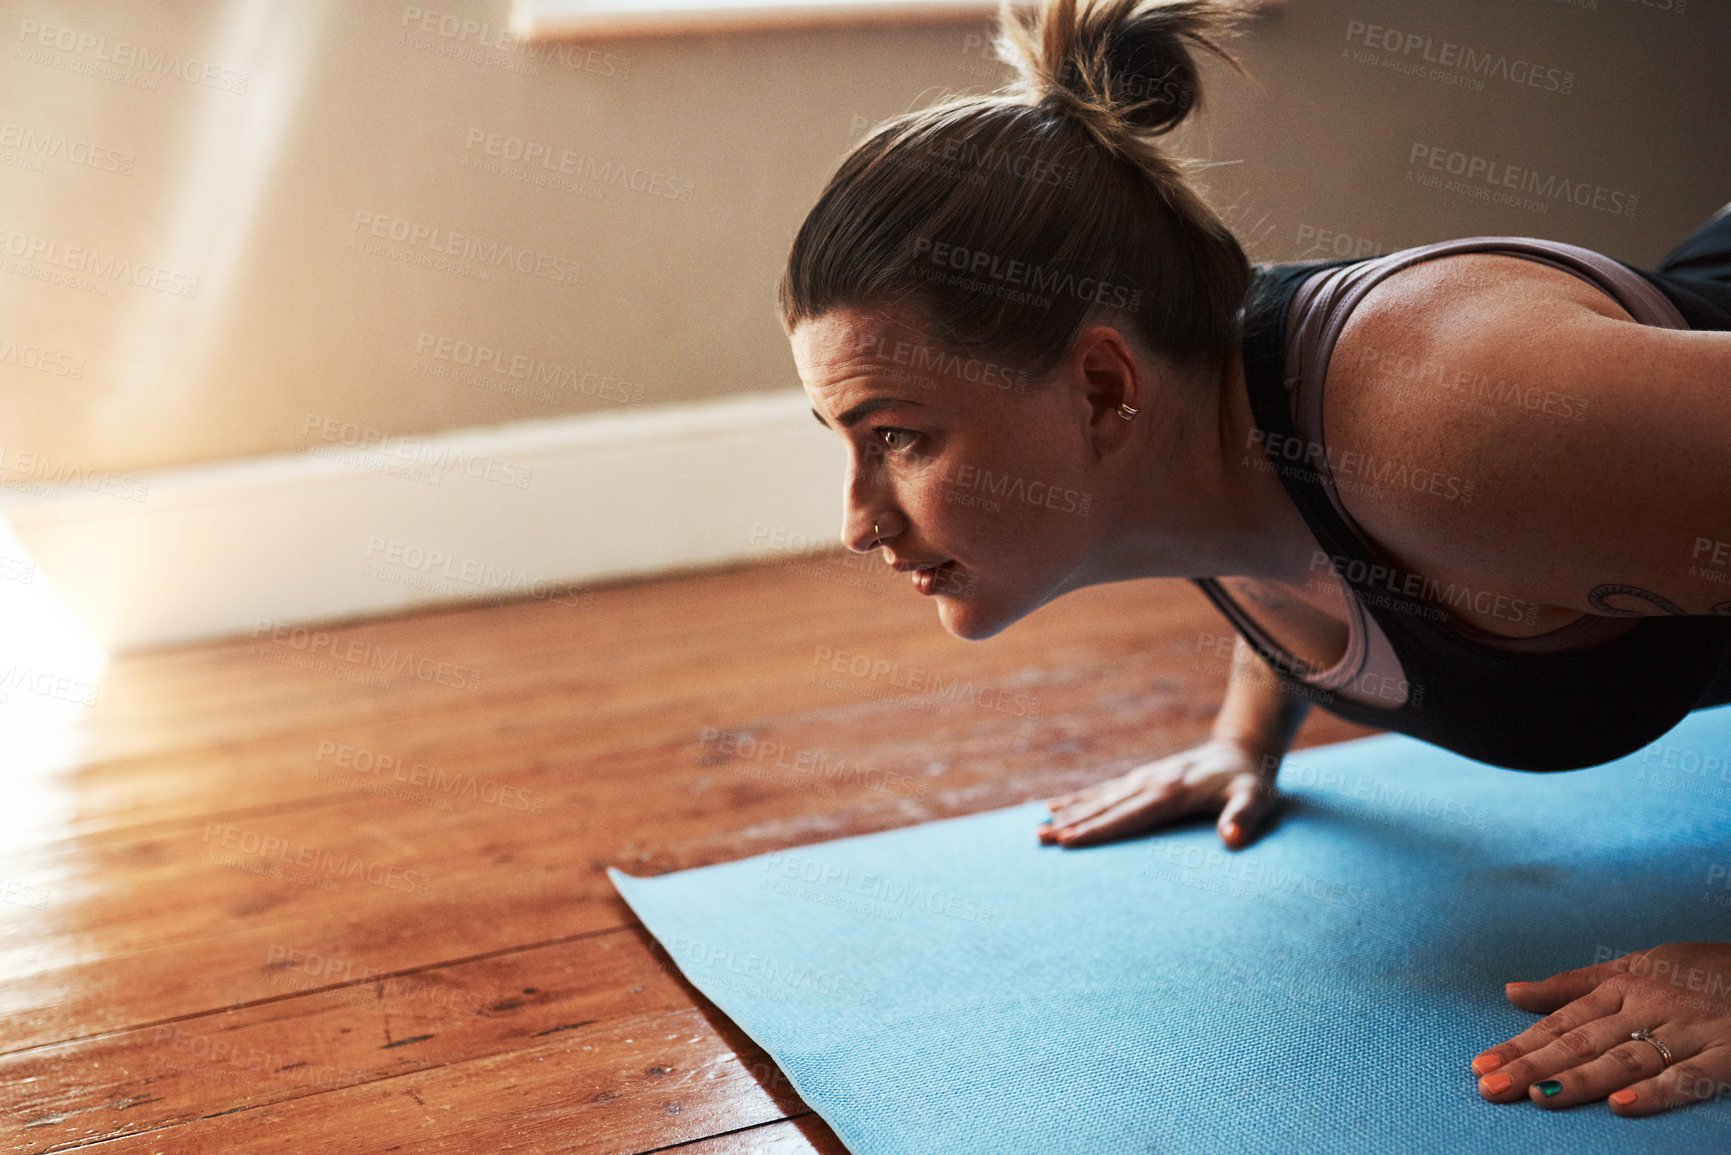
(1597, 597)
(1263, 596)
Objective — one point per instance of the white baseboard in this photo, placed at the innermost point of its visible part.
(350, 529)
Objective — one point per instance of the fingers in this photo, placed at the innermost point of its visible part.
(1702, 1076)
(1583, 1065)
(1103, 800)
(1127, 816)
(1626, 1040)
(1582, 1029)
(1623, 1063)
(1170, 788)
(1242, 816)
(1100, 793)
(1547, 995)
(1108, 823)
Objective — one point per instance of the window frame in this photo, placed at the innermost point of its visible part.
(551, 20)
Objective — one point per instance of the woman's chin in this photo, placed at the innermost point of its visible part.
(967, 619)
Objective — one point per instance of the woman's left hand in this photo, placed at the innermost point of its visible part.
(1581, 1052)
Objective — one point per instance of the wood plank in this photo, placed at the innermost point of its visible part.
(630, 1087)
(332, 1024)
(800, 1135)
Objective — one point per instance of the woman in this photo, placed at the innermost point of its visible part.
(1476, 492)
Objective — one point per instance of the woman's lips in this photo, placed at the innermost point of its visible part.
(928, 581)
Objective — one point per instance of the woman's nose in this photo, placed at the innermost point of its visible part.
(860, 531)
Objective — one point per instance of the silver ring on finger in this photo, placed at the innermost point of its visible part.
(1646, 1036)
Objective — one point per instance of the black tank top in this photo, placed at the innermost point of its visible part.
(1542, 708)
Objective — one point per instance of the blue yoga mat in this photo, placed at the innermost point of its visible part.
(957, 987)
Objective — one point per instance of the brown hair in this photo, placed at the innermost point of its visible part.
(999, 224)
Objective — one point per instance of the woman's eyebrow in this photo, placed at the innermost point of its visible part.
(852, 417)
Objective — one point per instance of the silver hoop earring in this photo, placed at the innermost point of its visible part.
(1126, 412)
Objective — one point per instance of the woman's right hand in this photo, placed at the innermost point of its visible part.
(1221, 775)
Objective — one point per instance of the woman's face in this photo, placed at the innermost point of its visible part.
(957, 461)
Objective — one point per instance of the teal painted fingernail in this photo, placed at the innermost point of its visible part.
(1549, 1087)
(1046, 821)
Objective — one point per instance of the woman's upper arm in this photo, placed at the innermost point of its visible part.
(1584, 459)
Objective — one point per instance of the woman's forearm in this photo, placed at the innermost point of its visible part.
(1256, 712)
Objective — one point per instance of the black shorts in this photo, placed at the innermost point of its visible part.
(1696, 275)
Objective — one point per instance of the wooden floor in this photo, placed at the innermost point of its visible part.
(280, 901)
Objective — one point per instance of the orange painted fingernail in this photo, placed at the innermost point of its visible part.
(1486, 1063)
(1233, 833)
(1624, 1097)
(1498, 1083)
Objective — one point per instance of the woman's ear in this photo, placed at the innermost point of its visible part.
(1111, 375)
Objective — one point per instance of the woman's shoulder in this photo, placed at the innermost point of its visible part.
(1474, 288)
(1441, 342)
(1498, 415)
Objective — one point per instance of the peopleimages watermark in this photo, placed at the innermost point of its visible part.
(1335, 244)
(1683, 988)
(1359, 573)
(465, 36)
(17, 569)
(556, 162)
(40, 358)
(18, 675)
(38, 145)
(963, 483)
(967, 483)
(1221, 656)
(1307, 459)
(839, 565)
(1681, 766)
(406, 564)
(87, 269)
(382, 989)
(412, 451)
(1678, 7)
(980, 61)
(22, 894)
(1718, 890)
(363, 655)
(1495, 176)
(819, 768)
(971, 163)
(239, 1059)
(51, 476)
(1715, 568)
(374, 765)
(466, 254)
(1469, 385)
(272, 852)
(98, 51)
(1035, 284)
(874, 887)
(1334, 783)
(1641, 965)
(761, 975)
(490, 361)
(921, 364)
(1452, 63)
(1259, 877)
(929, 683)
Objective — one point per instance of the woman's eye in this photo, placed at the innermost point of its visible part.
(904, 437)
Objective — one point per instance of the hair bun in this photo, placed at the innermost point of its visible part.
(1123, 67)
